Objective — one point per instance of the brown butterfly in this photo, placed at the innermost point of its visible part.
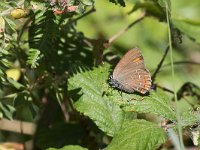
(131, 74)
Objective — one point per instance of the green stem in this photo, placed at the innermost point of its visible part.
(173, 80)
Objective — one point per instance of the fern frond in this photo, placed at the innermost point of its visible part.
(33, 57)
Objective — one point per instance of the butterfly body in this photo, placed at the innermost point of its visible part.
(130, 74)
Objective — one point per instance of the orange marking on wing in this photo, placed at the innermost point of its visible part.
(137, 59)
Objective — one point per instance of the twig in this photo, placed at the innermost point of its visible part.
(165, 89)
(183, 62)
(159, 65)
(22, 30)
(113, 38)
(87, 13)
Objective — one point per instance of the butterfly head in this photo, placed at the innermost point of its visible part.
(114, 83)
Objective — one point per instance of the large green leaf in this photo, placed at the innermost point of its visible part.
(138, 135)
(92, 102)
(188, 27)
(155, 103)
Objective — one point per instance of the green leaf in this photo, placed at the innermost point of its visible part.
(16, 84)
(33, 57)
(155, 103)
(7, 110)
(121, 2)
(88, 2)
(138, 135)
(69, 147)
(189, 118)
(10, 24)
(81, 8)
(189, 27)
(152, 8)
(2, 25)
(90, 87)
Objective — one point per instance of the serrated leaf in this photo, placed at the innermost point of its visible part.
(155, 103)
(69, 147)
(189, 118)
(189, 27)
(138, 135)
(90, 85)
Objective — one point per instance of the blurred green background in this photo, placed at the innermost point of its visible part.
(150, 35)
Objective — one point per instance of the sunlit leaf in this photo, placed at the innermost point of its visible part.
(92, 102)
(138, 134)
(13, 73)
(2, 24)
(155, 103)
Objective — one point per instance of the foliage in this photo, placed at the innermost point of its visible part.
(56, 57)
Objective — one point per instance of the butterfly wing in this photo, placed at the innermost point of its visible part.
(131, 72)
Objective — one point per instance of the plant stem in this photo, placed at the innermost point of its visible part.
(173, 80)
(159, 65)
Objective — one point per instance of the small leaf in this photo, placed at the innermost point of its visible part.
(152, 8)
(189, 27)
(33, 57)
(189, 118)
(16, 84)
(2, 25)
(13, 73)
(155, 103)
(121, 2)
(69, 147)
(138, 135)
(7, 110)
(90, 87)
(88, 2)
(60, 134)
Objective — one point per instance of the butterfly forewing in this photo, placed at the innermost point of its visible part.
(129, 59)
(132, 74)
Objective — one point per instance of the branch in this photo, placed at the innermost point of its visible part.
(159, 65)
(183, 62)
(113, 38)
(87, 13)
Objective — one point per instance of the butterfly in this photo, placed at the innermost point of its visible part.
(130, 74)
